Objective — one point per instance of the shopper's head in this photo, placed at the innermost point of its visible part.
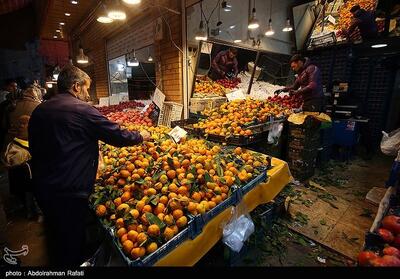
(75, 81)
(32, 92)
(232, 52)
(297, 62)
(355, 10)
(10, 85)
(22, 131)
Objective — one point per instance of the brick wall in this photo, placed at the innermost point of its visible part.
(170, 58)
(114, 39)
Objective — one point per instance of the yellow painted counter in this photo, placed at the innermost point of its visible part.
(191, 251)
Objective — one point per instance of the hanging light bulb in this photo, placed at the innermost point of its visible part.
(253, 23)
(82, 58)
(103, 17)
(226, 7)
(269, 31)
(237, 41)
(132, 2)
(201, 34)
(56, 72)
(116, 12)
(133, 62)
(150, 59)
(288, 27)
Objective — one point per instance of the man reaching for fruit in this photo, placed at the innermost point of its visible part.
(63, 141)
(224, 64)
(307, 84)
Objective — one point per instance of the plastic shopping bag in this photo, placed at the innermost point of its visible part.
(237, 230)
(390, 143)
(275, 133)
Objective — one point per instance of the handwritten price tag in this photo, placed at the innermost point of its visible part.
(177, 134)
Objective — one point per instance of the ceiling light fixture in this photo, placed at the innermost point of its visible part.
(58, 30)
(237, 41)
(253, 22)
(67, 14)
(226, 7)
(103, 17)
(82, 58)
(55, 37)
(288, 27)
(150, 58)
(62, 23)
(116, 12)
(133, 62)
(56, 72)
(201, 34)
(270, 31)
(74, 2)
(132, 2)
(379, 45)
(232, 26)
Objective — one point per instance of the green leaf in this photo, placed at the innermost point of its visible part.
(154, 199)
(140, 181)
(220, 172)
(153, 219)
(207, 177)
(223, 180)
(237, 181)
(170, 162)
(158, 149)
(157, 175)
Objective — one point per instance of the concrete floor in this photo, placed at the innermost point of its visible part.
(289, 244)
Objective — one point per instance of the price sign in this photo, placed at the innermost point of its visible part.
(158, 98)
(236, 95)
(177, 133)
(114, 99)
(104, 101)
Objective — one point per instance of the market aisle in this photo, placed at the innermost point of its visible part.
(331, 209)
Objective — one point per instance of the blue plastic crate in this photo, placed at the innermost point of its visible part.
(201, 220)
(162, 251)
(253, 183)
(345, 132)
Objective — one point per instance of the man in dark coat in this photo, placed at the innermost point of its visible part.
(63, 140)
(365, 21)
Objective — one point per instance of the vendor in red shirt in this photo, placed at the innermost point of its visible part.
(224, 64)
(308, 83)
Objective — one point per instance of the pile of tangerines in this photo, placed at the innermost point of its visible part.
(148, 193)
(232, 118)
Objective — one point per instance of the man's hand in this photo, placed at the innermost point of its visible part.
(145, 135)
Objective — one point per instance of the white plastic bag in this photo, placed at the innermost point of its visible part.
(237, 230)
(275, 133)
(390, 143)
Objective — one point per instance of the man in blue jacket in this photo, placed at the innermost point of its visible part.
(308, 83)
(63, 140)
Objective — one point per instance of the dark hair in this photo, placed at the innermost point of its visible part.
(354, 8)
(9, 81)
(297, 57)
(233, 50)
(70, 75)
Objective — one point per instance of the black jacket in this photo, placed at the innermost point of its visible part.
(63, 141)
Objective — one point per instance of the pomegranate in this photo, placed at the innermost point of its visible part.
(365, 257)
(396, 241)
(391, 251)
(391, 223)
(391, 260)
(386, 235)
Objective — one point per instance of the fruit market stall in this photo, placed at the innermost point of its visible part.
(210, 87)
(162, 200)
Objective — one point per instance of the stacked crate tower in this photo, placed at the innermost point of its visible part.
(303, 145)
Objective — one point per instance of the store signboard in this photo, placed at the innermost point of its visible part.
(158, 98)
(104, 101)
(206, 47)
(236, 95)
